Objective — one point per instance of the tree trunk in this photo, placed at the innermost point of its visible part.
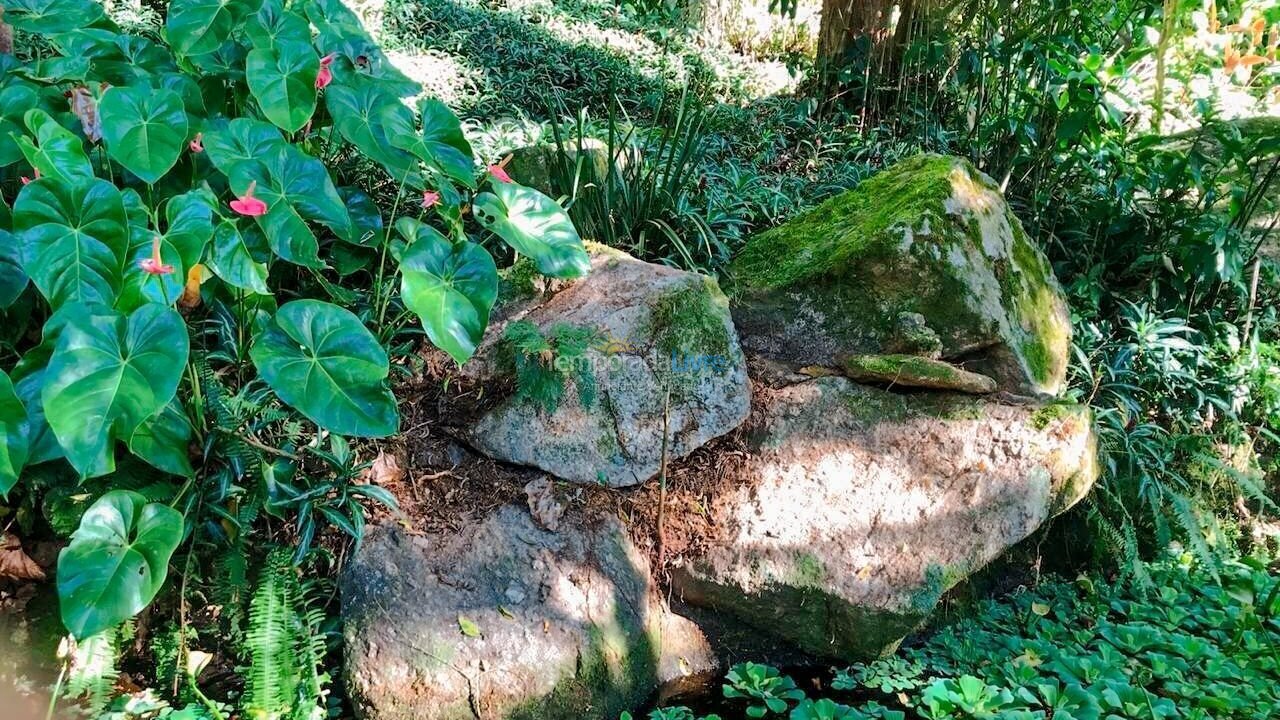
(855, 34)
(6, 36)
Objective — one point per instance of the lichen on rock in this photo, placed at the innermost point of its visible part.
(931, 235)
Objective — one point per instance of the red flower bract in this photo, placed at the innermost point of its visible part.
(325, 76)
(499, 173)
(430, 199)
(197, 143)
(154, 265)
(247, 204)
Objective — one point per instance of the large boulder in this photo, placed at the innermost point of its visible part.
(506, 620)
(931, 235)
(665, 358)
(859, 507)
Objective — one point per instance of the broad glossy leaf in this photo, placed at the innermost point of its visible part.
(196, 27)
(536, 226)
(57, 152)
(364, 115)
(116, 562)
(232, 259)
(450, 287)
(110, 374)
(74, 240)
(15, 100)
(14, 445)
(282, 78)
(49, 17)
(273, 24)
(144, 129)
(321, 359)
(163, 439)
(188, 228)
(342, 32)
(365, 217)
(239, 142)
(441, 143)
(13, 280)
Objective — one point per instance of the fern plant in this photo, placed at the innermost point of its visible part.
(544, 364)
(91, 668)
(285, 679)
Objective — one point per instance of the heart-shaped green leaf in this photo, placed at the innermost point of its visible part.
(145, 129)
(74, 240)
(322, 360)
(49, 17)
(13, 280)
(441, 144)
(116, 562)
(196, 27)
(365, 115)
(57, 153)
(110, 374)
(232, 259)
(450, 287)
(14, 444)
(241, 142)
(162, 440)
(282, 78)
(536, 226)
(273, 24)
(15, 100)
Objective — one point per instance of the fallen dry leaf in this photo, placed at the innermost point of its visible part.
(384, 470)
(14, 563)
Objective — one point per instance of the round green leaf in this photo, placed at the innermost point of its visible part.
(442, 144)
(108, 375)
(73, 238)
(116, 562)
(321, 359)
(536, 226)
(450, 287)
(367, 115)
(49, 17)
(282, 78)
(145, 129)
(14, 443)
(162, 440)
(232, 259)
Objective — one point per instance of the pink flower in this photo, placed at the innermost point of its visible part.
(325, 76)
(247, 204)
(27, 181)
(430, 199)
(154, 265)
(499, 173)
(197, 144)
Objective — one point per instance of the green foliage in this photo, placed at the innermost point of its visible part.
(116, 562)
(761, 684)
(543, 364)
(92, 668)
(285, 648)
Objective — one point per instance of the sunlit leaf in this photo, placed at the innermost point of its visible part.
(450, 287)
(536, 226)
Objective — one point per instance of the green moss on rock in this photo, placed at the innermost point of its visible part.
(915, 371)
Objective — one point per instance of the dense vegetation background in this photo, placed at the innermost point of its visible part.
(1138, 141)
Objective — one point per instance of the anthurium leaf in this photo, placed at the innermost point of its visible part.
(49, 17)
(241, 141)
(162, 440)
(442, 143)
(15, 100)
(13, 280)
(273, 24)
(342, 32)
(450, 287)
(145, 129)
(74, 239)
(188, 228)
(116, 562)
(108, 375)
(282, 78)
(321, 359)
(232, 259)
(365, 115)
(536, 226)
(14, 444)
(57, 153)
(196, 27)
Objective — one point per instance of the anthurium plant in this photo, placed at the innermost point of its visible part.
(183, 215)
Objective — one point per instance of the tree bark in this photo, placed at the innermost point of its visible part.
(850, 28)
(6, 36)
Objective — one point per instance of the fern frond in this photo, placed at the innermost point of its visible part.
(91, 678)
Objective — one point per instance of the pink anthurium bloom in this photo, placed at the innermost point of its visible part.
(430, 199)
(154, 265)
(27, 181)
(247, 204)
(499, 173)
(197, 143)
(325, 76)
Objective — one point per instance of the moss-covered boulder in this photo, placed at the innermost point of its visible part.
(931, 235)
(859, 507)
(544, 167)
(602, 367)
(504, 620)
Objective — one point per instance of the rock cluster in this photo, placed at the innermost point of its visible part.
(887, 361)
